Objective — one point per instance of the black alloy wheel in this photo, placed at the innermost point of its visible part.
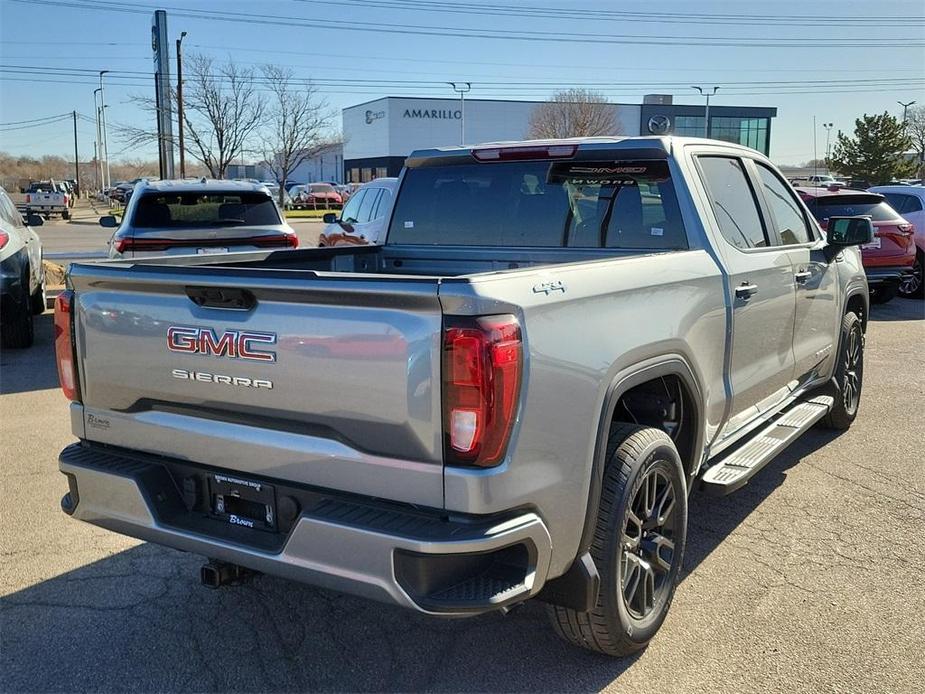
(648, 544)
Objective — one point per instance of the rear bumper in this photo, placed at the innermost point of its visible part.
(889, 275)
(423, 561)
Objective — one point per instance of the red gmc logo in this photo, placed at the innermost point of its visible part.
(236, 344)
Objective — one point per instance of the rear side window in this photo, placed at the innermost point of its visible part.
(733, 202)
(195, 210)
(385, 199)
(850, 206)
(606, 204)
(788, 215)
(903, 203)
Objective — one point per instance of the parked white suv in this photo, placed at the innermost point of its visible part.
(909, 201)
(364, 219)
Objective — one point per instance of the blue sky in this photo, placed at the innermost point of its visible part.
(874, 57)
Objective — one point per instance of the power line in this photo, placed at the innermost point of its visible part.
(506, 85)
(586, 14)
(33, 120)
(499, 34)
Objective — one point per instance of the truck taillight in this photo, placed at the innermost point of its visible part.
(4, 239)
(64, 345)
(482, 364)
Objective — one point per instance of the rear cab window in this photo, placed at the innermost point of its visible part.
(192, 210)
(604, 204)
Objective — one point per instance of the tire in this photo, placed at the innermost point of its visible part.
(617, 626)
(848, 379)
(882, 294)
(18, 332)
(66, 215)
(913, 286)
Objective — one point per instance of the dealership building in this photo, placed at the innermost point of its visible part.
(379, 134)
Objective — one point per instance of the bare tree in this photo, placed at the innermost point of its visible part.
(296, 119)
(574, 113)
(222, 109)
(915, 129)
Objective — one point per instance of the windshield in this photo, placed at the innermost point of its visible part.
(322, 188)
(196, 210)
(540, 203)
(849, 206)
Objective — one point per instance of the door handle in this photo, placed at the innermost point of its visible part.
(746, 291)
(802, 276)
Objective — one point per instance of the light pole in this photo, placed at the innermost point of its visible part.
(180, 103)
(99, 140)
(706, 117)
(905, 111)
(461, 88)
(103, 121)
(828, 151)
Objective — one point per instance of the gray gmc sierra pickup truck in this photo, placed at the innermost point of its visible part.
(511, 398)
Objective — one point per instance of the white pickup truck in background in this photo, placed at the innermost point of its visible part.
(45, 198)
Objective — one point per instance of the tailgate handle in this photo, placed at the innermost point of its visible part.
(222, 297)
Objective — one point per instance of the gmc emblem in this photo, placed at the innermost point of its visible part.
(235, 344)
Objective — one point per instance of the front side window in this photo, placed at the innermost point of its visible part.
(351, 210)
(196, 210)
(590, 204)
(786, 211)
(733, 202)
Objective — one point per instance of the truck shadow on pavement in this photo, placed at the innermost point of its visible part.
(138, 620)
(34, 368)
(898, 309)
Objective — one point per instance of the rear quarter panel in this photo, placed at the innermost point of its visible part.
(612, 314)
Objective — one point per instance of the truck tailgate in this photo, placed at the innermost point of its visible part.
(328, 380)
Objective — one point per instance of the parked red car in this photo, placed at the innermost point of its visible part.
(891, 255)
(315, 196)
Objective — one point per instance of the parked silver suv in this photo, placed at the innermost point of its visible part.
(202, 217)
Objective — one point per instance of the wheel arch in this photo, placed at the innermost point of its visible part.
(633, 377)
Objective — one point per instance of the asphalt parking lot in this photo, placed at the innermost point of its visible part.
(809, 579)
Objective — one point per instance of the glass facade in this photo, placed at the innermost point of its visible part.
(689, 126)
(751, 132)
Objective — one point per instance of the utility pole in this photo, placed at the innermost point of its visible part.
(828, 149)
(461, 88)
(815, 156)
(108, 181)
(706, 116)
(96, 171)
(905, 111)
(180, 104)
(99, 140)
(76, 155)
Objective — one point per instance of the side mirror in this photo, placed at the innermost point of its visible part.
(329, 218)
(109, 222)
(849, 231)
(33, 220)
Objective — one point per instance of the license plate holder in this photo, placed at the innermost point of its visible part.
(242, 502)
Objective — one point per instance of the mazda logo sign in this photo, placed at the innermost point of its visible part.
(659, 125)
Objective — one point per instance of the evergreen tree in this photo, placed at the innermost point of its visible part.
(875, 153)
